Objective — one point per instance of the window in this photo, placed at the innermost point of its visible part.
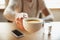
(52, 3)
(2, 4)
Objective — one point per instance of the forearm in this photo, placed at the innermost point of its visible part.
(48, 18)
(10, 11)
(48, 14)
(9, 14)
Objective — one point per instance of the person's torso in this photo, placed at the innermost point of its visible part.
(28, 6)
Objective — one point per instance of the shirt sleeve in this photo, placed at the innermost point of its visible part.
(9, 12)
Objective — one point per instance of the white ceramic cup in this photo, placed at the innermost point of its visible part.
(32, 24)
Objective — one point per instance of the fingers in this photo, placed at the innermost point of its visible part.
(25, 15)
(22, 15)
(19, 17)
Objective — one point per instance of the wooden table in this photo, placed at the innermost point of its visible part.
(6, 34)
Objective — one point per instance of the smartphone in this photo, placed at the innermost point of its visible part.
(17, 33)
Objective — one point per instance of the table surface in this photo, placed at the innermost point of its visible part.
(6, 34)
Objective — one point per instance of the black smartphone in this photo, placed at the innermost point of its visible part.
(17, 33)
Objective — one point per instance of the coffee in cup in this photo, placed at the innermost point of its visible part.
(32, 24)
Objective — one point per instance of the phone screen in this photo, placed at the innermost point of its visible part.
(17, 33)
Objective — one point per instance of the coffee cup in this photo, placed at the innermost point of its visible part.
(32, 24)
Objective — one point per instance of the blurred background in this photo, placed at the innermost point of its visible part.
(53, 5)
